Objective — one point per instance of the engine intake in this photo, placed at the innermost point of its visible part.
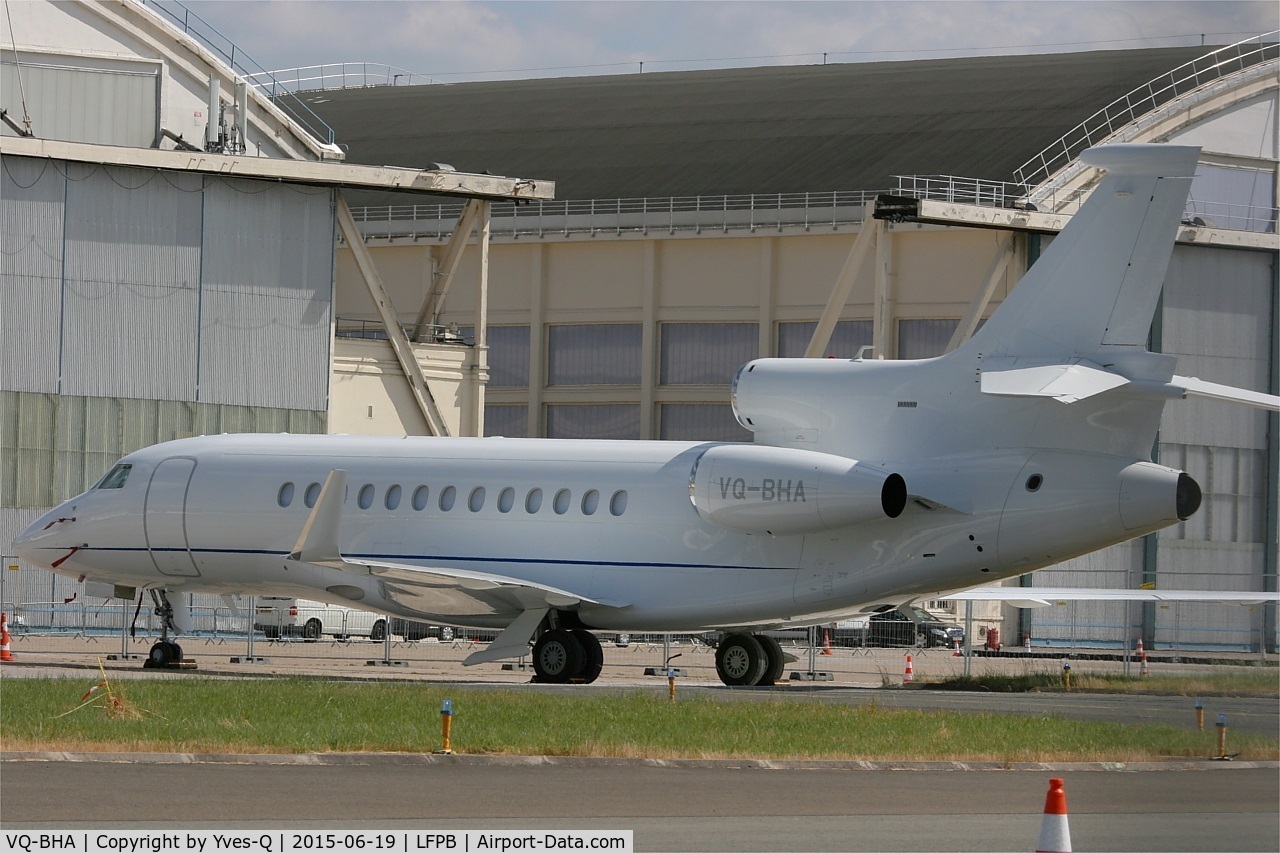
(779, 490)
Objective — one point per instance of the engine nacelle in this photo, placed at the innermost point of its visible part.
(760, 489)
(1152, 495)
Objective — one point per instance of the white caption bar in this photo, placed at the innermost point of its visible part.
(296, 841)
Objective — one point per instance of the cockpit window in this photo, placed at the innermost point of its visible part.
(115, 478)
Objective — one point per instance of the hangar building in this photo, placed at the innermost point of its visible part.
(701, 219)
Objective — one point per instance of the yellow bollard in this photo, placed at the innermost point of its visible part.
(1066, 674)
(671, 679)
(446, 723)
(1199, 716)
(1222, 738)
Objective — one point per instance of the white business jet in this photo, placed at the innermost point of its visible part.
(869, 484)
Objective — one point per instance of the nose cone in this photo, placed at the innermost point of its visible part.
(47, 538)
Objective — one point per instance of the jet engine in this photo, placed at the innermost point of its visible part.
(779, 490)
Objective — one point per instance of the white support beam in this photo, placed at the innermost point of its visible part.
(883, 333)
(395, 332)
(482, 315)
(853, 262)
(327, 173)
(433, 303)
(981, 299)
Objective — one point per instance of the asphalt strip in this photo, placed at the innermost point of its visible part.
(347, 759)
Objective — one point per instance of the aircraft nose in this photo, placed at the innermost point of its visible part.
(44, 536)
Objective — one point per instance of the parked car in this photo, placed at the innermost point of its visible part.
(911, 626)
(413, 630)
(280, 616)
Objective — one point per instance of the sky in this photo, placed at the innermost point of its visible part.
(467, 40)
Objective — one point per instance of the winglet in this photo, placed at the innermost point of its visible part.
(318, 542)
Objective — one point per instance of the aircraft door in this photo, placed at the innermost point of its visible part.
(164, 518)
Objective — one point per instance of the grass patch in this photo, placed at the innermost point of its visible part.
(311, 716)
(1246, 683)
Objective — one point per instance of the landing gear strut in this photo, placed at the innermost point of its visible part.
(165, 653)
(749, 660)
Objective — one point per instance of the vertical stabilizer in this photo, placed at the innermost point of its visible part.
(1098, 283)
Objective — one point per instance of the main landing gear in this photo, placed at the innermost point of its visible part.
(562, 656)
(749, 660)
(165, 653)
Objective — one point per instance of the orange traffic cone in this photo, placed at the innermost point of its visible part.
(1055, 834)
(1142, 659)
(909, 674)
(5, 652)
(826, 641)
(955, 652)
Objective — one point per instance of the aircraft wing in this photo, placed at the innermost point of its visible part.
(1033, 596)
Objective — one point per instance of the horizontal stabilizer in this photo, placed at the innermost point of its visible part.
(1032, 596)
(1064, 382)
(1193, 387)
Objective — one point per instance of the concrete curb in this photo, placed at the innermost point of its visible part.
(344, 759)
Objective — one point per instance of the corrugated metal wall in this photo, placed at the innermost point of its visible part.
(121, 282)
(102, 106)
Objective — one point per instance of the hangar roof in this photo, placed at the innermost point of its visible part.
(753, 130)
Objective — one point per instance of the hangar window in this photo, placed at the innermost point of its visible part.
(847, 338)
(475, 502)
(506, 499)
(311, 495)
(618, 503)
(365, 497)
(392, 499)
(533, 501)
(115, 478)
(447, 496)
(561, 502)
(420, 496)
(590, 502)
(606, 420)
(285, 496)
(705, 353)
(506, 420)
(594, 354)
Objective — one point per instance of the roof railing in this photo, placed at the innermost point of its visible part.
(341, 75)
(1144, 99)
(240, 62)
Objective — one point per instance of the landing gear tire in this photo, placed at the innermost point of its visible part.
(164, 653)
(557, 657)
(379, 630)
(740, 660)
(775, 661)
(593, 656)
(311, 630)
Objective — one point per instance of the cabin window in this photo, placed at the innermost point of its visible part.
(618, 503)
(561, 502)
(475, 502)
(590, 502)
(311, 495)
(506, 499)
(420, 496)
(392, 499)
(365, 496)
(115, 478)
(285, 495)
(533, 501)
(447, 497)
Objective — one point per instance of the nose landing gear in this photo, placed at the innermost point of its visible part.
(165, 653)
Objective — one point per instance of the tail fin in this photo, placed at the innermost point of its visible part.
(1098, 283)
